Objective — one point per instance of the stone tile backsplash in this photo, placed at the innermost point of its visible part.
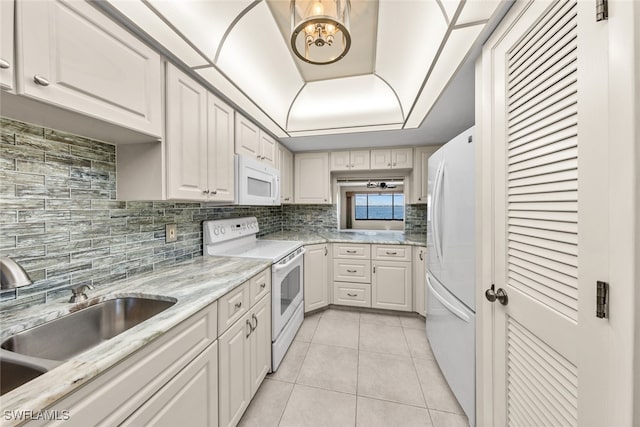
(59, 218)
(415, 218)
(310, 217)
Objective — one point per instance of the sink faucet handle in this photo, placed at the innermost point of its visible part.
(79, 293)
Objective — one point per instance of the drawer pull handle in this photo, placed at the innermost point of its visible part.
(352, 295)
(421, 256)
(374, 269)
(256, 319)
(352, 271)
(352, 252)
(250, 328)
(392, 253)
(263, 285)
(4, 64)
(239, 304)
(40, 80)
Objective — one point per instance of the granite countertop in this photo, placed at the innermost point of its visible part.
(193, 284)
(380, 237)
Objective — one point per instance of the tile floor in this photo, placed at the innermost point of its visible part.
(351, 368)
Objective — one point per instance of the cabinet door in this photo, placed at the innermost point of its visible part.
(221, 169)
(420, 280)
(234, 383)
(286, 176)
(7, 59)
(340, 161)
(247, 137)
(421, 173)
(391, 285)
(360, 160)
(191, 395)
(260, 342)
(75, 57)
(312, 181)
(380, 159)
(186, 137)
(267, 149)
(316, 293)
(402, 158)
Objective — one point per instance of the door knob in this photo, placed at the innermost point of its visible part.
(500, 295)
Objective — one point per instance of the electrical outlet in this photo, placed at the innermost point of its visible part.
(171, 233)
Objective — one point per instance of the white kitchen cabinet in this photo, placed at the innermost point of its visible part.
(200, 163)
(312, 181)
(420, 280)
(391, 252)
(396, 158)
(391, 285)
(191, 395)
(316, 269)
(243, 361)
(221, 176)
(352, 294)
(7, 57)
(352, 270)
(253, 142)
(420, 173)
(352, 250)
(72, 56)
(286, 175)
(116, 394)
(350, 160)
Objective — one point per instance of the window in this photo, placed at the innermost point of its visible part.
(380, 207)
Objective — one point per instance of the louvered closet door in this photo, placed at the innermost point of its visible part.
(550, 350)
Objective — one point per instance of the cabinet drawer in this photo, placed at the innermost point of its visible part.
(352, 270)
(349, 250)
(233, 306)
(392, 252)
(355, 294)
(259, 286)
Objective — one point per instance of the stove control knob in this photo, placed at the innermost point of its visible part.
(223, 230)
(216, 231)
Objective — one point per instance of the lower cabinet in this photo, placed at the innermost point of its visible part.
(420, 280)
(391, 285)
(191, 395)
(316, 292)
(244, 360)
(354, 294)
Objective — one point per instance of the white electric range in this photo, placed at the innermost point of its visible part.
(237, 238)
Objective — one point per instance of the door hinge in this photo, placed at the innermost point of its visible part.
(602, 300)
(602, 10)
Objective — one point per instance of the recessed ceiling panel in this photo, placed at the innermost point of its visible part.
(361, 57)
(458, 46)
(477, 10)
(344, 103)
(254, 57)
(342, 131)
(405, 52)
(203, 22)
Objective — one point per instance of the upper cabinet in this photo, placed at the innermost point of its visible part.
(285, 164)
(221, 174)
(7, 63)
(82, 61)
(396, 158)
(350, 160)
(420, 173)
(312, 178)
(254, 142)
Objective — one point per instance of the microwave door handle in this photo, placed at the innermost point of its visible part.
(283, 266)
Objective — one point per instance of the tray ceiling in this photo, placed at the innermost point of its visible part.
(404, 54)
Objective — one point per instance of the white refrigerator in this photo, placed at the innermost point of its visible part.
(451, 265)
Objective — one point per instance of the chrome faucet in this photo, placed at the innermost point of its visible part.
(12, 275)
(78, 293)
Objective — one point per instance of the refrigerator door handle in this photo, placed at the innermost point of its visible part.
(447, 304)
(436, 206)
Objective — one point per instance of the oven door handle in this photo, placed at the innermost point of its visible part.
(279, 267)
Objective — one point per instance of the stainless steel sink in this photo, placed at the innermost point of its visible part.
(14, 374)
(62, 338)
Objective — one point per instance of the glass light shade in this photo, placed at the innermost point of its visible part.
(320, 30)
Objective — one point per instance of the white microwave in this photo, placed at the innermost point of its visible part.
(256, 183)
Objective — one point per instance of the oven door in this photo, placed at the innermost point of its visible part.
(286, 290)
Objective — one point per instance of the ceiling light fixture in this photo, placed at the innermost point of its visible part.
(320, 30)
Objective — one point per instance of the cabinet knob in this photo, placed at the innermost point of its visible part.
(263, 285)
(4, 64)
(214, 192)
(205, 191)
(419, 198)
(238, 304)
(325, 200)
(40, 80)
(374, 268)
(389, 164)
